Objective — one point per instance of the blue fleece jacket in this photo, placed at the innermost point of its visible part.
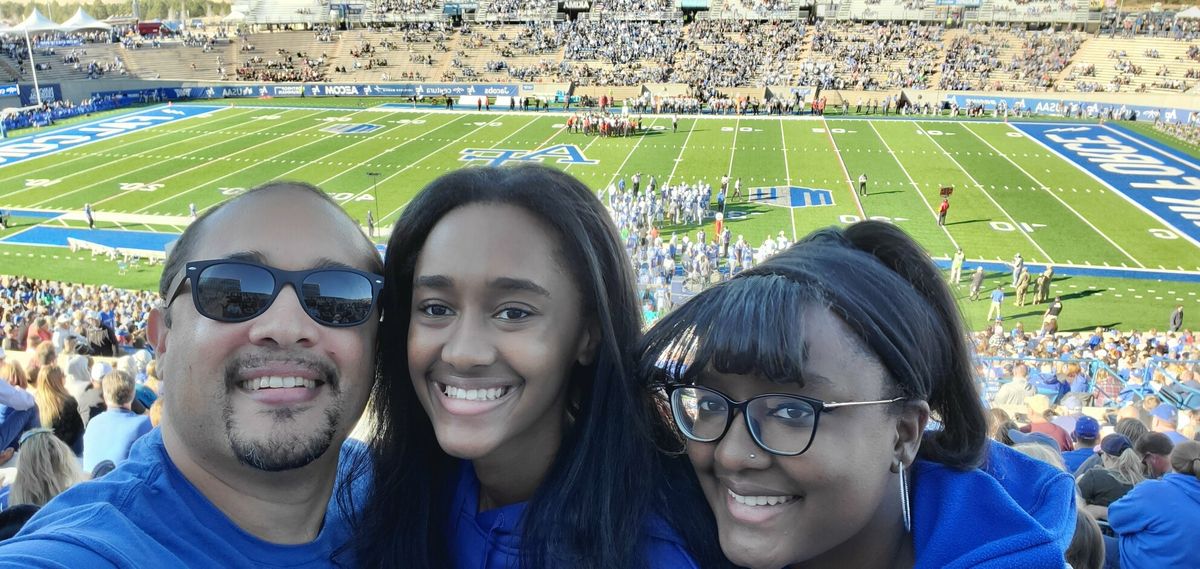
(1157, 523)
(492, 539)
(147, 514)
(1012, 512)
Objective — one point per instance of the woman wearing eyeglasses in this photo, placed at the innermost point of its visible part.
(804, 388)
(510, 429)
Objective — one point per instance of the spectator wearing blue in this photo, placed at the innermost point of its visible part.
(1156, 522)
(18, 409)
(1166, 417)
(511, 429)
(262, 392)
(854, 331)
(111, 434)
(1086, 435)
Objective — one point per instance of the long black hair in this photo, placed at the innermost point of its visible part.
(880, 283)
(607, 477)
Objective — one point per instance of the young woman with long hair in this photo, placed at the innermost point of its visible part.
(57, 409)
(510, 428)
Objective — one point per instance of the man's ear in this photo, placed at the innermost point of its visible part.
(157, 329)
(910, 427)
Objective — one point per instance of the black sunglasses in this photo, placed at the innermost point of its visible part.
(237, 291)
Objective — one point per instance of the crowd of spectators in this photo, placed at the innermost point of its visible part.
(517, 6)
(975, 60)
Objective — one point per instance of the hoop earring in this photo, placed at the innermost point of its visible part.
(904, 506)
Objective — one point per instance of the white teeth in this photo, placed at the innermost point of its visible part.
(278, 382)
(760, 500)
(474, 394)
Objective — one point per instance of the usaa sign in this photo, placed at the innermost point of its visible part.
(560, 153)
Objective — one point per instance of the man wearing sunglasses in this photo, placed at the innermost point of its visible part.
(266, 343)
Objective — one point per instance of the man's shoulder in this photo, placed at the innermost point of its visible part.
(95, 534)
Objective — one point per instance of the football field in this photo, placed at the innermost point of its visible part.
(1015, 188)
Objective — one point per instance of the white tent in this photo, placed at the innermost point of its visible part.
(84, 21)
(36, 22)
(234, 16)
(1192, 13)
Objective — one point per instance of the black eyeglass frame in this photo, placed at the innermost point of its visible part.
(734, 407)
(281, 277)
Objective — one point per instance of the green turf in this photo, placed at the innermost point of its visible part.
(1011, 194)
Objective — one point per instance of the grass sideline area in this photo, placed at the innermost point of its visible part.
(1011, 194)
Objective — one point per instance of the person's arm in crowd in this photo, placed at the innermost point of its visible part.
(14, 397)
(1097, 511)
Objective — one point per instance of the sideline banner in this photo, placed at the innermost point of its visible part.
(1068, 107)
(320, 90)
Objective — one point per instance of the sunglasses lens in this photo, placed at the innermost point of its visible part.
(338, 298)
(232, 292)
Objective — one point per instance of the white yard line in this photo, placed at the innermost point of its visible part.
(125, 174)
(845, 172)
(1102, 181)
(985, 193)
(916, 187)
(733, 147)
(285, 153)
(59, 165)
(641, 137)
(682, 149)
(435, 152)
(1052, 194)
(372, 186)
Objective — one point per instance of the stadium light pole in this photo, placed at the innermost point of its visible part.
(37, 91)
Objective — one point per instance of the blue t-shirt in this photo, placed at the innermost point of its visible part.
(997, 296)
(1076, 458)
(492, 539)
(147, 514)
(110, 435)
(1156, 523)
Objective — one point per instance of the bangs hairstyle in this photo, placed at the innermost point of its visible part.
(583, 512)
(873, 277)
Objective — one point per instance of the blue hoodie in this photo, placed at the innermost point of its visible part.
(492, 539)
(1012, 512)
(1157, 523)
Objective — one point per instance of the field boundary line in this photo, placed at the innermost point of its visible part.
(1052, 194)
(1029, 237)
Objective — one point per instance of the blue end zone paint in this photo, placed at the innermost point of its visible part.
(30, 147)
(1160, 182)
(351, 128)
(57, 237)
(1072, 271)
(33, 213)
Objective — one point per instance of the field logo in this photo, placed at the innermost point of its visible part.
(791, 196)
(560, 153)
(351, 128)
